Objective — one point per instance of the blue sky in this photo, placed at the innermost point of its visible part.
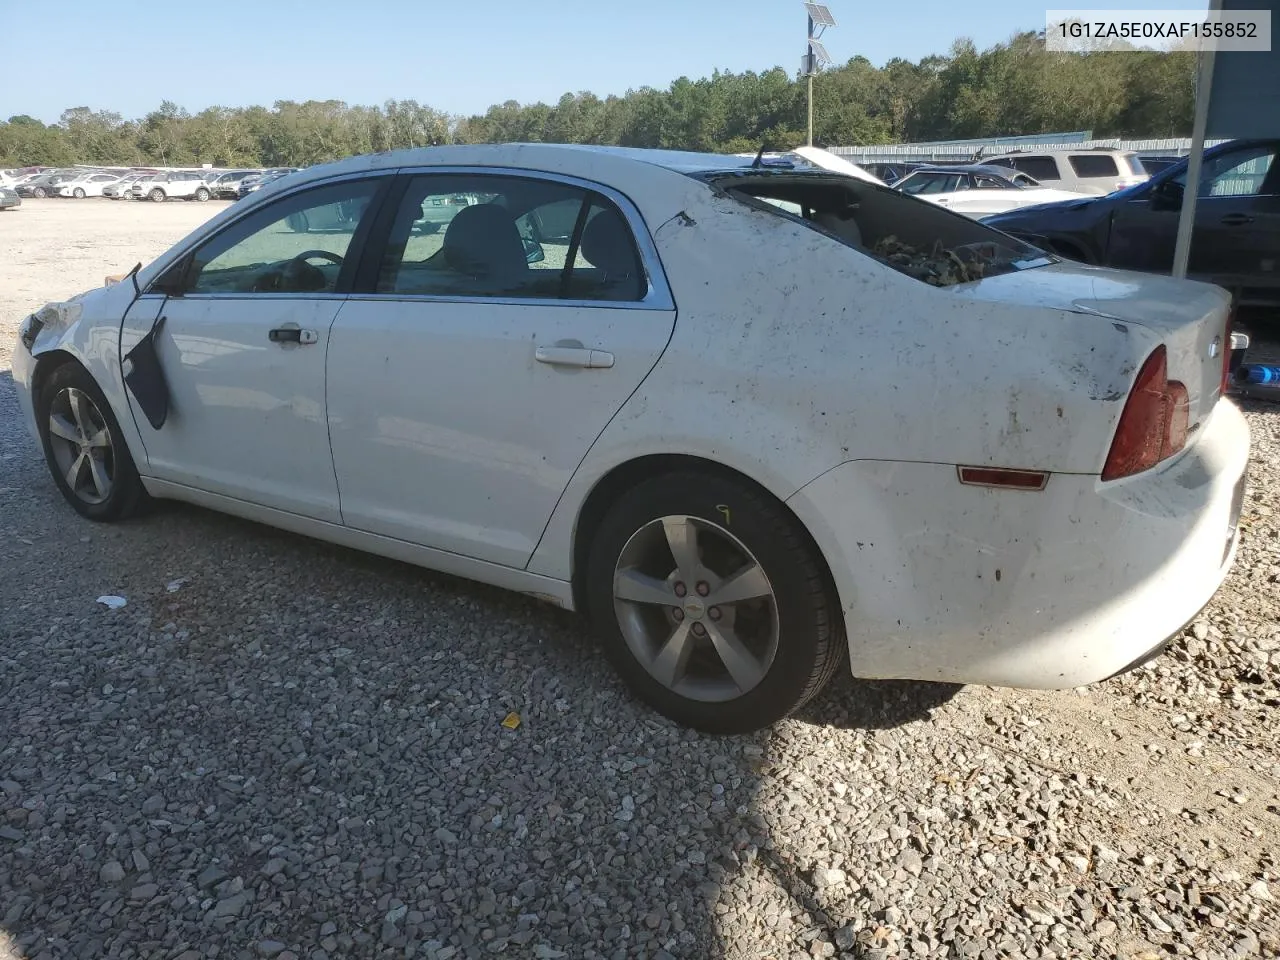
(456, 56)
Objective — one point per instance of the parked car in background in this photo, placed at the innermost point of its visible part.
(89, 185)
(122, 189)
(1092, 171)
(890, 173)
(253, 184)
(227, 185)
(9, 199)
(978, 190)
(181, 185)
(1236, 241)
(45, 184)
(737, 530)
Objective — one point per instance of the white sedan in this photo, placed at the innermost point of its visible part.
(978, 190)
(759, 423)
(89, 185)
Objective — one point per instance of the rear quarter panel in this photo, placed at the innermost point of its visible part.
(794, 353)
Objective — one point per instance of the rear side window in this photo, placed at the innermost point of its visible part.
(1135, 164)
(1042, 168)
(1093, 165)
(510, 237)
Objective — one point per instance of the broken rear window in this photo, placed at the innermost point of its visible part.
(915, 237)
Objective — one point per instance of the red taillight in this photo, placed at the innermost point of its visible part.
(1154, 423)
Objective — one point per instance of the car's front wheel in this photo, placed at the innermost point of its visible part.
(156, 195)
(712, 602)
(39, 193)
(78, 193)
(202, 195)
(84, 448)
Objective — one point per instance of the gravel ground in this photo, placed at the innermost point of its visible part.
(283, 749)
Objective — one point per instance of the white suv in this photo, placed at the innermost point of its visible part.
(1097, 171)
(188, 185)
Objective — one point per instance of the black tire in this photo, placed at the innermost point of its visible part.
(39, 193)
(78, 193)
(202, 195)
(156, 195)
(127, 497)
(811, 641)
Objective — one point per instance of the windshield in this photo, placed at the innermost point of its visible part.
(912, 236)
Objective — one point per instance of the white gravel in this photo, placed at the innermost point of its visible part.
(284, 749)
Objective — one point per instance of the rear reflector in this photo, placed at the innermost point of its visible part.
(1009, 479)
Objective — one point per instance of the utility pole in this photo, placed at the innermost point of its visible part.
(815, 53)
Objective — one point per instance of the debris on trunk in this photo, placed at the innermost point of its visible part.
(940, 266)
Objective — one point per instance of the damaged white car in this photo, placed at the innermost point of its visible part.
(759, 422)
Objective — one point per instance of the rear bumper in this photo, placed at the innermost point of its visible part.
(1052, 589)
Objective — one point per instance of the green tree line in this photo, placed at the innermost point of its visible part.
(1016, 87)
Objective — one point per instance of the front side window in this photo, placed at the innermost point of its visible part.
(1042, 168)
(992, 183)
(1240, 173)
(495, 236)
(295, 245)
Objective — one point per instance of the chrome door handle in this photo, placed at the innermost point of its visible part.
(565, 356)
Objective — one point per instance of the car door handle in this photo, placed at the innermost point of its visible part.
(563, 356)
(292, 334)
(1236, 219)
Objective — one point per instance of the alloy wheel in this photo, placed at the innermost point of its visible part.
(696, 608)
(81, 445)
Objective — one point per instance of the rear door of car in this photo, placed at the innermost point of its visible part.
(473, 367)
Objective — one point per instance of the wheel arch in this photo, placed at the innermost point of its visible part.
(630, 473)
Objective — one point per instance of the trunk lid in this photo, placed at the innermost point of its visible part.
(1189, 317)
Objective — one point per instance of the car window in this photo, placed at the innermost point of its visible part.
(926, 183)
(992, 183)
(1022, 180)
(1042, 168)
(491, 236)
(1239, 173)
(295, 245)
(1093, 165)
(1135, 164)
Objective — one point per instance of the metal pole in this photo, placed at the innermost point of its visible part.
(811, 109)
(812, 63)
(1195, 159)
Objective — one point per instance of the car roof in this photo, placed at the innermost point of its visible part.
(983, 168)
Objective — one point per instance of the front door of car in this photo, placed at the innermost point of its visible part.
(1232, 228)
(481, 361)
(243, 348)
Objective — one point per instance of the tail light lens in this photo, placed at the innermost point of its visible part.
(1154, 423)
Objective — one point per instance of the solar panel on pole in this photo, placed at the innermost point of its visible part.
(820, 14)
(819, 51)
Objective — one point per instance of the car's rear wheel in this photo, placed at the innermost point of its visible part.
(202, 194)
(84, 448)
(156, 195)
(712, 602)
(78, 193)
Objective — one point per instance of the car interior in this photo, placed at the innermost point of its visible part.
(913, 236)
(519, 243)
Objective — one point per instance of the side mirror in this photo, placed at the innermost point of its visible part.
(1167, 195)
(533, 252)
(173, 282)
